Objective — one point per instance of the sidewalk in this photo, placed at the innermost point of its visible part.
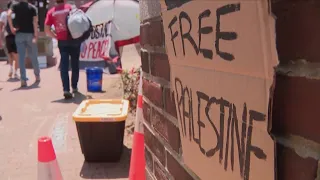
(27, 114)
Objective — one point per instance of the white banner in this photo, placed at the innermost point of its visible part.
(94, 48)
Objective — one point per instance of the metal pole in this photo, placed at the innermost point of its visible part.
(109, 27)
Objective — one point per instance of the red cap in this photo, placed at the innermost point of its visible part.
(45, 150)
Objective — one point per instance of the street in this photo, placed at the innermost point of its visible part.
(29, 113)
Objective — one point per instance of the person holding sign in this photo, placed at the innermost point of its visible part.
(57, 16)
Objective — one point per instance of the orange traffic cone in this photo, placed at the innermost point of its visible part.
(137, 163)
(48, 168)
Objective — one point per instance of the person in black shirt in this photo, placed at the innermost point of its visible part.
(25, 27)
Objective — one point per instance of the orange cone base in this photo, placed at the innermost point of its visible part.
(49, 171)
(48, 168)
(137, 163)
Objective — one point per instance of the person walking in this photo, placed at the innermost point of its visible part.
(3, 41)
(7, 38)
(25, 29)
(57, 16)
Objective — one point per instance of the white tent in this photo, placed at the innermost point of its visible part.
(125, 26)
(124, 13)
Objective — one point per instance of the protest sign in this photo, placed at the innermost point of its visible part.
(94, 48)
(222, 56)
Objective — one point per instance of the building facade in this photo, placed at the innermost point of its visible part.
(295, 124)
(43, 6)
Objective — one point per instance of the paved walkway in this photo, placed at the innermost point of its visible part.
(27, 114)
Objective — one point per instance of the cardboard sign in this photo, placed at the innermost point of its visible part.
(94, 48)
(222, 55)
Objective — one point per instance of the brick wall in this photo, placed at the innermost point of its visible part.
(162, 141)
(296, 118)
(296, 100)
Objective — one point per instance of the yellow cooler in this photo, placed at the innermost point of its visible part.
(100, 125)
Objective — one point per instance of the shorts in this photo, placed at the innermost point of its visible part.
(11, 44)
(4, 45)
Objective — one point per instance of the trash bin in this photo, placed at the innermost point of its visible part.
(94, 79)
(100, 125)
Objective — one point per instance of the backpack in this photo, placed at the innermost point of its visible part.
(79, 25)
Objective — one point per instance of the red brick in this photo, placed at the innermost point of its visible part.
(176, 170)
(296, 107)
(144, 34)
(153, 92)
(145, 61)
(151, 33)
(291, 166)
(146, 112)
(159, 172)
(149, 159)
(159, 65)
(173, 3)
(166, 129)
(154, 145)
(297, 33)
(169, 104)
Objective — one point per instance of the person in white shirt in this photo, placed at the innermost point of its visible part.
(9, 38)
(2, 40)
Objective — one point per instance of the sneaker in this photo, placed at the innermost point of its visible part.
(67, 95)
(16, 75)
(75, 90)
(38, 79)
(10, 72)
(23, 83)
